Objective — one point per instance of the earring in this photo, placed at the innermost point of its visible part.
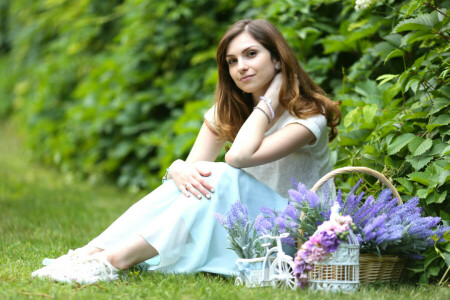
(277, 66)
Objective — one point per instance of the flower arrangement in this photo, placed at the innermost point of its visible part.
(321, 244)
(382, 226)
(242, 235)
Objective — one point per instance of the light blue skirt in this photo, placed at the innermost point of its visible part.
(183, 229)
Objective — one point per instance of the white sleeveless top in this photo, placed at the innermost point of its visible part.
(307, 164)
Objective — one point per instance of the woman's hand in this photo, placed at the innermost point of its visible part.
(189, 179)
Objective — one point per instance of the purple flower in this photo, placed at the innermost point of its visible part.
(384, 197)
(268, 212)
(421, 227)
(406, 208)
(238, 213)
(262, 225)
(351, 205)
(395, 233)
(382, 237)
(303, 194)
(313, 199)
(339, 198)
(291, 212)
(389, 206)
(370, 236)
(375, 224)
(329, 241)
(220, 219)
(294, 182)
(281, 222)
(365, 212)
(355, 187)
(440, 231)
(290, 241)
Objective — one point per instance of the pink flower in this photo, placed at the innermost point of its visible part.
(327, 226)
(317, 254)
(342, 228)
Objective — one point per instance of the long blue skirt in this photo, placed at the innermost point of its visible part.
(183, 229)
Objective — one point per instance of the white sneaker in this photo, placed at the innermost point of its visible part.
(55, 268)
(70, 257)
(89, 270)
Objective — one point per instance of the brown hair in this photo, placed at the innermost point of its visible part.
(233, 106)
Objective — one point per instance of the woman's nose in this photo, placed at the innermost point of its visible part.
(242, 66)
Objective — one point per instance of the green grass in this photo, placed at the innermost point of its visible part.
(43, 215)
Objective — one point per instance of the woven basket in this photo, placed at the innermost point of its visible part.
(371, 266)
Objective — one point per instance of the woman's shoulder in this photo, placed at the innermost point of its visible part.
(210, 118)
(318, 120)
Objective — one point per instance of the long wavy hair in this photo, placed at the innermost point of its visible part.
(303, 100)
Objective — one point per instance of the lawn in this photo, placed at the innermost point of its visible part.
(45, 213)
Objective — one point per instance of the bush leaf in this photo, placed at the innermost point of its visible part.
(369, 112)
(424, 146)
(385, 78)
(414, 143)
(351, 117)
(419, 162)
(400, 142)
(441, 120)
(420, 177)
(421, 22)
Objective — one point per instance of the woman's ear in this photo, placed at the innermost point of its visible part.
(278, 66)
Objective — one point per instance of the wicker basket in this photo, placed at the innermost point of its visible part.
(372, 267)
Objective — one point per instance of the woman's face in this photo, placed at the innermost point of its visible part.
(250, 64)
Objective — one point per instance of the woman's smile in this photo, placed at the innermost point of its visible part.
(246, 78)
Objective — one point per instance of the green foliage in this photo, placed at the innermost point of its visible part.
(436, 259)
(399, 125)
(97, 84)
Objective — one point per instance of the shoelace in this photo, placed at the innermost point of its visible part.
(100, 265)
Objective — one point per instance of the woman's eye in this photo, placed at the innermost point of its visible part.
(251, 53)
(231, 61)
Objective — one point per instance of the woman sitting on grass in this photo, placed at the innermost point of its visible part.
(276, 118)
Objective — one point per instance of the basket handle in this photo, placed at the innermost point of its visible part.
(364, 170)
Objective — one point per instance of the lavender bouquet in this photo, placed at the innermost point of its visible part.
(382, 226)
(243, 237)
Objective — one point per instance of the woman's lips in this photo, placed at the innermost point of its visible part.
(246, 77)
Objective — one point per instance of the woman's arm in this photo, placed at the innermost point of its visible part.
(207, 147)
(270, 148)
(251, 148)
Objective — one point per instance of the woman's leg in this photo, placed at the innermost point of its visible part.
(89, 250)
(135, 251)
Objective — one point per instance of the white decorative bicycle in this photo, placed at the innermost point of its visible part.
(270, 270)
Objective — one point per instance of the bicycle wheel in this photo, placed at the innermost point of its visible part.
(238, 281)
(281, 274)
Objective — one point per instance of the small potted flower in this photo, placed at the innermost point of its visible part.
(256, 242)
(244, 240)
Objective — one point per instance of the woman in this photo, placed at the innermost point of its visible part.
(276, 118)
